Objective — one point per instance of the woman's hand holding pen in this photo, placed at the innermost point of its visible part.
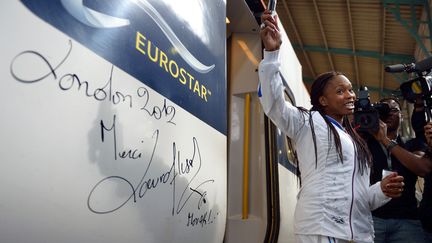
(269, 31)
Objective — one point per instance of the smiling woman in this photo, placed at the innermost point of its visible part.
(335, 197)
(332, 92)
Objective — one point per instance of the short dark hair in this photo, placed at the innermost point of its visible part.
(387, 99)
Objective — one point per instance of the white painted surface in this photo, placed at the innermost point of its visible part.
(59, 182)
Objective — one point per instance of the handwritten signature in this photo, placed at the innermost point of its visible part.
(181, 167)
(147, 183)
(208, 217)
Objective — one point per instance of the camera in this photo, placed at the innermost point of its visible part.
(368, 115)
(419, 87)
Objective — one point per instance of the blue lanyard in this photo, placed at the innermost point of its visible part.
(335, 123)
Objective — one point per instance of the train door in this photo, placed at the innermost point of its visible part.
(262, 185)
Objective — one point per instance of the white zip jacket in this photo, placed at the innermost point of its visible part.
(335, 198)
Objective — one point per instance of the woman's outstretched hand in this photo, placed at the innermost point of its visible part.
(269, 32)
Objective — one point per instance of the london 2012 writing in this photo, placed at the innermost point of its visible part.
(72, 81)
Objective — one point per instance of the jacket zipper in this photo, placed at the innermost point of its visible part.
(352, 201)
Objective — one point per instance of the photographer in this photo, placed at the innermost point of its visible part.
(396, 221)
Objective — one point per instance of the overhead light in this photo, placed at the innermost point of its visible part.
(227, 20)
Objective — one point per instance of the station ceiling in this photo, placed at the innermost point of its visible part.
(356, 37)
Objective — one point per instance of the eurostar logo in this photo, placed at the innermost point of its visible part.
(97, 19)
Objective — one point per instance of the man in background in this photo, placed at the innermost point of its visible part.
(396, 221)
